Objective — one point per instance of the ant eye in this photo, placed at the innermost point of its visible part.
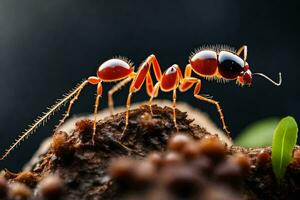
(230, 65)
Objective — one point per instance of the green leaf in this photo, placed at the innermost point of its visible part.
(284, 140)
(258, 134)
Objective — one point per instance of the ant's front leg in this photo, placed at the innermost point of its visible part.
(216, 103)
(188, 82)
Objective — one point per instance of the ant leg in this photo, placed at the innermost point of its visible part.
(218, 108)
(127, 113)
(113, 90)
(157, 71)
(174, 109)
(187, 83)
(138, 81)
(154, 94)
(149, 84)
(245, 50)
(188, 71)
(143, 72)
(67, 113)
(95, 118)
(99, 94)
(134, 87)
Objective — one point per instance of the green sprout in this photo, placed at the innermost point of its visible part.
(284, 140)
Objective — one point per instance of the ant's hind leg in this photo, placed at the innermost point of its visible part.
(99, 94)
(113, 90)
(67, 113)
(127, 114)
(174, 109)
(154, 94)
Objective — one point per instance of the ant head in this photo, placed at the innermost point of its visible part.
(245, 78)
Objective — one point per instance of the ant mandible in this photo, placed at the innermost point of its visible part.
(215, 62)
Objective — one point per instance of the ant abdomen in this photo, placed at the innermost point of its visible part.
(205, 62)
(114, 69)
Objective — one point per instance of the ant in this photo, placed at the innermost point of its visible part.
(219, 63)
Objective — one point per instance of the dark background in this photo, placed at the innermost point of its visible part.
(47, 47)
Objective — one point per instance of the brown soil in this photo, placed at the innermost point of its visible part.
(74, 168)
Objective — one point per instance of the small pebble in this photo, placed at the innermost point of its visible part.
(155, 158)
(3, 187)
(51, 187)
(172, 158)
(84, 125)
(61, 146)
(143, 173)
(296, 156)
(191, 150)
(146, 119)
(221, 192)
(263, 158)
(243, 161)
(202, 165)
(228, 171)
(19, 191)
(178, 142)
(181, 180)
(58, 140)
(122, 169)
(212, 147)
(26, 177)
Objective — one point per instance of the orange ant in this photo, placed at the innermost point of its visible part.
(216, 62)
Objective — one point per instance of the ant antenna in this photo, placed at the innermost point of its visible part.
(42, 119)
(269, 79)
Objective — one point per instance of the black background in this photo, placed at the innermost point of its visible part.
(47, 47)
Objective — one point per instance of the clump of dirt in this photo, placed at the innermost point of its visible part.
(151, 162)
(203, 169)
